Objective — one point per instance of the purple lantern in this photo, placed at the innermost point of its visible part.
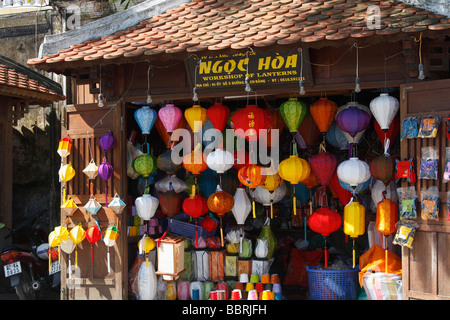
(353, 120)
(107, 142)
(105, 171)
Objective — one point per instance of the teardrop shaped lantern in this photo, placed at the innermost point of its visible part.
(146, 206)
(145, 118)
(195, 117)
(64, 147)
(170, 203)
(220, 203)
(92, 206)
(218, 114)
(384, 108)
(66, 172)
(242, 206)
(105, 171)
(93, 234)
(353, 120)
(164, 162)
(107, 142)
(323, 165)
(170, 116)
(293, 112)
(117, 205)
(195, 206)
(353, 171)
(323, 112)
(354, 222)
(382, 168)
(248, 122)
(251, 176)
(69, 207)
(91, 170)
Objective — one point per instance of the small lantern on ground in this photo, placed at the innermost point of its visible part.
(170, 257)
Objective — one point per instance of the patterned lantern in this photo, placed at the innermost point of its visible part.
(107, 142)
(323, 111)
(105, 171)
(220, 160)
(294, 169)
(66, 172)
(218, 114)
(117, 205)
(145, 164)
(293, 112)
(251, 176)
(323, 165)
(353, 171)
(110, 240)
(145, 118)
(77, 234)
(325, 221)
(195, 117)
(91, 170)
(69, 207)
(353, 120)
(195, 206)
(384, 108)
(387, 217)
(391, 133)
(64, 147)
(248, 122)
(93, 234)
(382, 168)
(92, 206)
(171, 182)
(336, 137)
(146, 206)
(308, 130)
(209, 223)
(242, 206)
(164, 163)
(220, 203)
(170, 203)
(271, 183)
(170, 117)
(354, 222)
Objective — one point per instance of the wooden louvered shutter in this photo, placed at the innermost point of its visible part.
(425, 266)
(85, 124)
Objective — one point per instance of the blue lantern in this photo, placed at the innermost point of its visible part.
(360, 187)
(301, 192)
(208, 182)
(336, 137)
(145, 117)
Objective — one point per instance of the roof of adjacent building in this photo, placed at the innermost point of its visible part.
(214, 25)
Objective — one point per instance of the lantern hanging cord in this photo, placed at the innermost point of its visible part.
(302, 88)
(248, 89)
(421, 74)
(149, 71)
(357, 87)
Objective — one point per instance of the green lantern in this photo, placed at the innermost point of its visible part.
(145, 164)
(293, 112)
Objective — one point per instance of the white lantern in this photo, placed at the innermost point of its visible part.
(384, 108)
(378, 189)
(242, 206)
(117, 205)
(264, 196)
(353, 171)
(91, 170)
(220, 160)
(170, 257)
(92, 206)
(146, 206)
(167, 182)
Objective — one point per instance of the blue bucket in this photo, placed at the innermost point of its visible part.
(333, 284)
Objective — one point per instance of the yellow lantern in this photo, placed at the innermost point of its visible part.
(66, 172)
(69, 207)
(272, 182)
(110, 239)
(64, 147)
(55, 238)
(195, 117)
(354, 222)
(294, 169)
(77, 234)
(145, 245)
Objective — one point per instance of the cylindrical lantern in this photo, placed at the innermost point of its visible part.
(354, 222)
(293, 112)
(170, 257)
(218, 114)
(195, 117)
(384, 108)
(146, 206)
(323, 111)
(353, 171)
(387, 216)
(145, 118)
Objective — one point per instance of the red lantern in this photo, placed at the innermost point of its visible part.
(250, 120)
(93, 234)
(220, 203)
(195, 206)
(343, 195)
(309, 130)
(382, 168)
(218, 114)
(209, 223)
(391, 133)
(323, 165)
(170, 203)
(325, 221)
(241, 158)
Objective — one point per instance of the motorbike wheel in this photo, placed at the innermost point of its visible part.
(24, 290)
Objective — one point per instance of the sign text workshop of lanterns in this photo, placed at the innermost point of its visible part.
(170, 257)
(265, 69)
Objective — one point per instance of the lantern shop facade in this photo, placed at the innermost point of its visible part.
(337, 91)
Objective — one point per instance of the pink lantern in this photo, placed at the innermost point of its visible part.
(170, 116)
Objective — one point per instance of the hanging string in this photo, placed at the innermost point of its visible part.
(421, 73)
(101, 103)
(149, 97)
(248, 89)
(302, 88)
(357, 86)
(195, 97)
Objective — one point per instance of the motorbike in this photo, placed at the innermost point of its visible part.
(27, 265)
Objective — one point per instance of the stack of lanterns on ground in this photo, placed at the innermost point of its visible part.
(218, 258)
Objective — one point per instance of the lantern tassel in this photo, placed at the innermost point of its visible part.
(325, 252)
(254, 211)
(385, 255)
(107, 258)
(76, 258)
(146, 260)
(353, 253)
(271, 209)
(49, 260)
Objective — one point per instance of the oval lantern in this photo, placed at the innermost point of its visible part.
(353, 171)
(218, 114)
(384, 108)
(164, 163)
(107, 142)
(170, 203)
(220, 203)
(220, 160)
(293, 112)
(352, 120)
(145, 164)
(325, 221)
(323, 165)
(382, 168)
(242, 206)
(309, 130)
(64, 146)
(171, 182)
(323, 112)
(105, 171)
(251, 176)
(170, 116)
(66, 172)
(195, 117)
(146, 206)
(145, 118)
(248, 122)
(354, 223)
(93, 234)
(336, 137)
(195, 206)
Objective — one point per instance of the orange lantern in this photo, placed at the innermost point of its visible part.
(220, 203)
(323, 111)
(251, 176)
(387, 217)
(64, 147)
(195, 163)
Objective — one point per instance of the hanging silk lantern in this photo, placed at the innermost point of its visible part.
(267, 198)
(353, 120)
(251, 176)
(92, 206)
(66, 172)
(382, 168)
(277, 123)
(271, 182)
(325, 221)
(145, 118)
(309, 130)
(353, 171)
(195, 163)
(61, 233)
(387, 217)
(354, 223)
(170, 252)
(294, 169)
(323, 165)
(145, 164)
(117, 205)
(93, 234)
(145, 245)
(391, 133)
(105, 171)
(323, 112)
(170, 203)
(241, 159)
(248, 122)
(195, 206)
(171, 182)
(170, 117)
(107, 142)
(91, 170)
(69, 207)
(110, 240)
(218, 114)
(208, 183)
(336, 137)
(220, 160)
(64, 147)
(293, 112)
(146, 206)
(384, 108)
(164, 163)
(242, 206)
(68, 247)
(195, 117)
(77, 234)
(220, 203)
(342, 194)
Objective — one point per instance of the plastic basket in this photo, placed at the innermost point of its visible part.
(333, 284)
(188, 229)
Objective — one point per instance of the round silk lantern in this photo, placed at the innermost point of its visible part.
(251, 176)
(110, 240)
(195, 206)
(384, 108)
(323, 165)
(145, 164)
(164, 163)
(171, 182)
(267, 198)
(209, 223)
(248, 122)
(325, 221)
(93, 234)
(105, 171)
(107, 142)
(382, 168)
(353, 171)
(77, 234)
(218, 114)
(64, 147)
(293, 112)
(146, 206)
(353, 120)
(354, 222)
(323, 112)
(220, 160)
(170, 117)
(220, 203)
(242, 206)
(66, 172)
(195, 117)
(170, 203)
(145, 118)
(309, 130)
